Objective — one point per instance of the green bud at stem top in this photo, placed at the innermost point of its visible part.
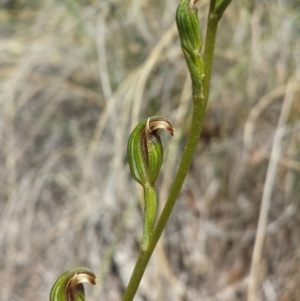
(188, 26)
(69, 287)
(190, 38)
(145, 152)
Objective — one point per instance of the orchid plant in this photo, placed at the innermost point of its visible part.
(145, 150)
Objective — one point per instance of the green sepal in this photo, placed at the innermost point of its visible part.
(135, 155)
(145, 151)
(69, 287)
(155, 156)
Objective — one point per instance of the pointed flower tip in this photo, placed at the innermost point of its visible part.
(157, 123)
(192, 3)
(84, 276)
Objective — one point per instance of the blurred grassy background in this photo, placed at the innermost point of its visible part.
(76, 77)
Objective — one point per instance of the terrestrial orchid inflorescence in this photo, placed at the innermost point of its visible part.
(145, 150)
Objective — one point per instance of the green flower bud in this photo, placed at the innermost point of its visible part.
(190, 38)
(69, 287)
(145, 151)
(188, 27)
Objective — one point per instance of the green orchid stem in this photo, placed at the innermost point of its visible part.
(150, 197)
(212, 26)
(200, 99)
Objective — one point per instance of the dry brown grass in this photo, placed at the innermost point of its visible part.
(76, 76)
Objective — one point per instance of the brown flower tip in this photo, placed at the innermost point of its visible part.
(154, 124)
(85, 275)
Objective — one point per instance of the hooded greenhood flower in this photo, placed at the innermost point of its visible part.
(145, 151)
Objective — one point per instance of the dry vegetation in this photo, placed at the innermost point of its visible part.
(76, 76)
